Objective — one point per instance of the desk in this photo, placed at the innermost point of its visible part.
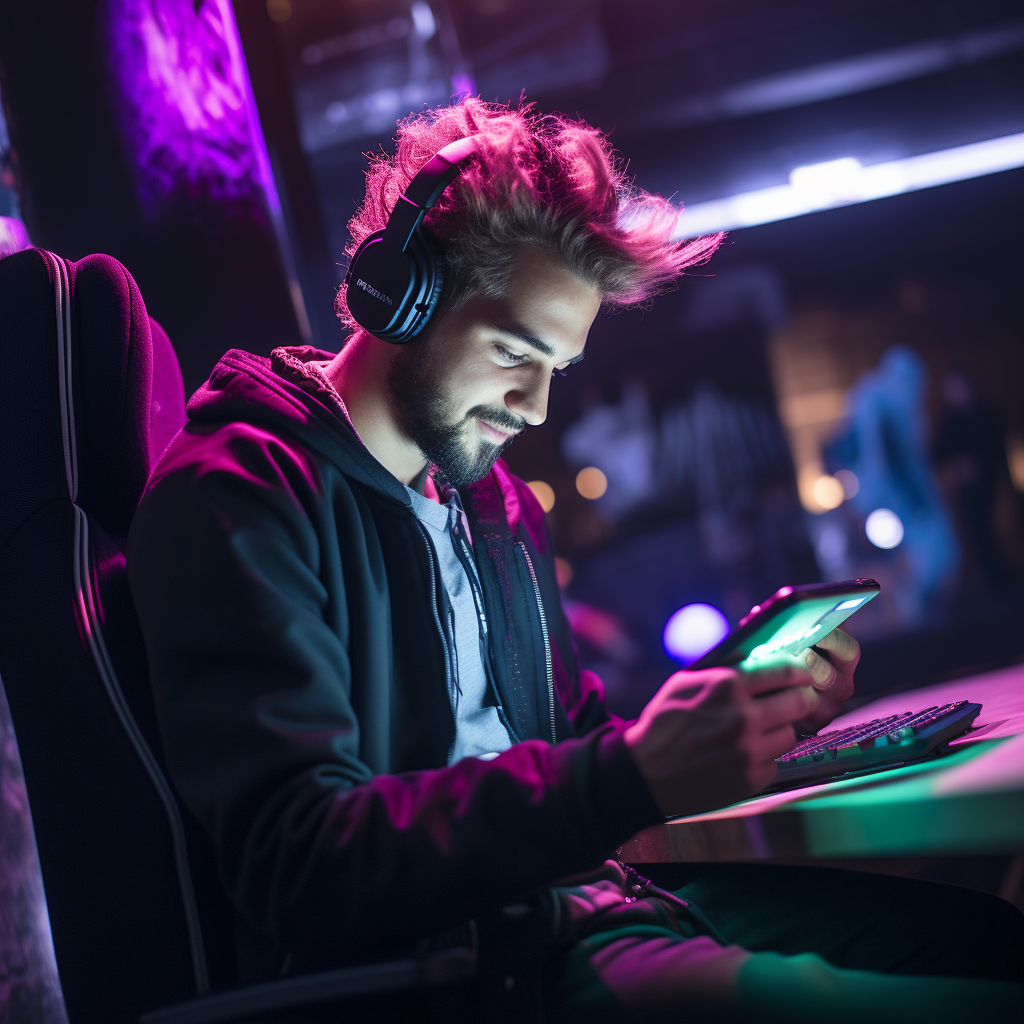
(969, 802)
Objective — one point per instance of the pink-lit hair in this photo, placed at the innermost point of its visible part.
(538, 179)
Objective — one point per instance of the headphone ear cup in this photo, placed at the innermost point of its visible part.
(436, 285)
(395, 278)
(392, 294)
(423, 254)
(380, 286)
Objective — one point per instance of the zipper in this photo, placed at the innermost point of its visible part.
(433, 605)
(465, 555)
(547, 641)
(477, 590)
(640, 885)
(456, 688)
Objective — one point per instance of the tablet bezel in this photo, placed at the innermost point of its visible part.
(781, 602)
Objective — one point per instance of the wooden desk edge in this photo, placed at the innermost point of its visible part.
(986, 823)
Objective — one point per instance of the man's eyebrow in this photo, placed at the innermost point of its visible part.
(535, 342)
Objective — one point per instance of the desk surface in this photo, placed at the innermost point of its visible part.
(971, 801)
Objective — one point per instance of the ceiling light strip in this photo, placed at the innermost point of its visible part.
(844, 182)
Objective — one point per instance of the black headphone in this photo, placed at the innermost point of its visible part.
(394, 278)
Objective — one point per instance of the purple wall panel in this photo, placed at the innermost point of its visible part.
(188, 121)
(181, 91)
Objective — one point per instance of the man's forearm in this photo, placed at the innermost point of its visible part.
(332, 870)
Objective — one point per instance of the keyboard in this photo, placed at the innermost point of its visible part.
(881, 743)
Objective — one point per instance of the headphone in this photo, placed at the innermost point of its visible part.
(395, 278)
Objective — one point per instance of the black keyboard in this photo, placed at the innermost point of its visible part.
(881, 743)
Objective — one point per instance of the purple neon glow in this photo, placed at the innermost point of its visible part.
(693, 630)
(185, 107)
(189, 120)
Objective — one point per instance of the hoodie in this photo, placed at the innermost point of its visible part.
(291, 608)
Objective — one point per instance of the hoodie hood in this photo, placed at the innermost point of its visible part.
(272, 393)
(275, 393)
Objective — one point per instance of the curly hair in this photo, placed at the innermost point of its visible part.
(537, 179)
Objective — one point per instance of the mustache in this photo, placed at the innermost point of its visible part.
(500, 418)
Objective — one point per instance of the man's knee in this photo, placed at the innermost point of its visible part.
(792, 989)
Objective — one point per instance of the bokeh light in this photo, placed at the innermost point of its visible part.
(545, 494)
(828, 492)
(884, 528)
(591, 482)
(563, 571)
(1015, 457)
(851, 485)
(279, 10)
(693, 630)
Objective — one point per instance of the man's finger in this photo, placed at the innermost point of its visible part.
(762, 767)
(686, 689)
(840, 645)
(777, 675)
(773, 744)
(823, 672)
(781, 709)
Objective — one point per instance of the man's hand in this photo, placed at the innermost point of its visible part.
(709, 738)
(831, 662)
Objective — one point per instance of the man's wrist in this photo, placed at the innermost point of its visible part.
(623, 801)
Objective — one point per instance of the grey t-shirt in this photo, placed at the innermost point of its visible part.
(478, 729)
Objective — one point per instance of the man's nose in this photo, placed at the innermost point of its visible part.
(530, 404)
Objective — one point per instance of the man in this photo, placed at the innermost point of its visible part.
(365, 683)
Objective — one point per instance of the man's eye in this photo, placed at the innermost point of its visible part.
(511, 358)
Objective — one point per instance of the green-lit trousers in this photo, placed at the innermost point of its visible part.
(797, 944)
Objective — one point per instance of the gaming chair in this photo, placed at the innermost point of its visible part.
(80, 432)
(90, 395)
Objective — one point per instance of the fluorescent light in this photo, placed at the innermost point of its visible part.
(835, 181)
(845, 181)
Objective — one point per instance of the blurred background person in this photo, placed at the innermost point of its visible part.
(888, 453)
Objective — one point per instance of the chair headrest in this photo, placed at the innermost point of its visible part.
(91, 390)
(167, 404)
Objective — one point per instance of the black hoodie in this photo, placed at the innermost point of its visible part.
(288, 599)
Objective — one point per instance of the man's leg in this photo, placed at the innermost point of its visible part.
(645, 972)
(651, 976)
(779, 989)
(858, 920)
(826, 944)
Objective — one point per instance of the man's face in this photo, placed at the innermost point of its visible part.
(478, 376)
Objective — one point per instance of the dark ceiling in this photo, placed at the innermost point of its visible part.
(705, 100)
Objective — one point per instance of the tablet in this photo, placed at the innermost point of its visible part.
(790, 621)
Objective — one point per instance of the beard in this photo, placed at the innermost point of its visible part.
(429, 418)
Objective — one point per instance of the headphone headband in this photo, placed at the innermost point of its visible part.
(440, 171)
(394, 278)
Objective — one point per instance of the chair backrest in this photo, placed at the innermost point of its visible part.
(90, 394)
